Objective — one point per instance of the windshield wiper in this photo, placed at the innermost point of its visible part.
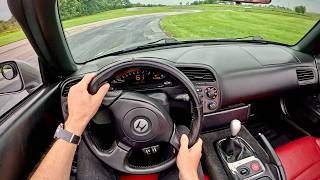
(156, 43)
(172, 41)
(146, 44)
(247, 39)
(166, 40)
(254, 38)
(258, 39)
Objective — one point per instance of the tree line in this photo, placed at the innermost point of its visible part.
(74, 8)
(9, 25)
(206, 2)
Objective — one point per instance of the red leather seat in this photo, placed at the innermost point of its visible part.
(301, 158)
(147, 177)
(140, 177)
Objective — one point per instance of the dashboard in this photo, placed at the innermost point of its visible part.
(224, 75)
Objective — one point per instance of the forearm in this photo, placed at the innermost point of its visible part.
(188, 175)
(57, 163)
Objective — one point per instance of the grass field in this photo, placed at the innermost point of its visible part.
(284, 27)
(9, 37)
(215, 21)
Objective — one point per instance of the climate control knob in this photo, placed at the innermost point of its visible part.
(212, 92)
(212, 105)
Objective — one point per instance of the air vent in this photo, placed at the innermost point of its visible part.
(67, 87)
(198, 74)
(305, 75)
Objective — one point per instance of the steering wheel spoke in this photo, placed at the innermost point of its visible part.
(111, 97)
(175, 139)
(176, 135)
(116, 157)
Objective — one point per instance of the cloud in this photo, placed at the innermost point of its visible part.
(5, 13)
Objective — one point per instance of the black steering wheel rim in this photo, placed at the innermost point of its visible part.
(106, 73)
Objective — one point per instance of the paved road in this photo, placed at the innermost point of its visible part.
(115, 36)
(88, 41)
(91, 39)
(21, 50)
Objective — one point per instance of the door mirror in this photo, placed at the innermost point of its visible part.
(10, 78)
(253, 1)
(8, 71)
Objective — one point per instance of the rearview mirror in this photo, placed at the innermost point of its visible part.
(10, 78)
(253, 1)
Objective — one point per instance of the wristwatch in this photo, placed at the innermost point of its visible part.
(61, 133)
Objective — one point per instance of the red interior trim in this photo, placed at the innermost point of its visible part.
(301, 158)
(147, 177)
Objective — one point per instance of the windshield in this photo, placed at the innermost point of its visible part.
(94, 28)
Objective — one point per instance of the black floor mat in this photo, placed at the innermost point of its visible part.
(275, 136)
(267, 118)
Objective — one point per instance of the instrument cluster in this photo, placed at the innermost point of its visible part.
(141, 78)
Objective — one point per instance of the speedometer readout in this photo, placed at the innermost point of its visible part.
(140, 76)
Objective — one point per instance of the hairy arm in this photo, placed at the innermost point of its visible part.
(82, 106)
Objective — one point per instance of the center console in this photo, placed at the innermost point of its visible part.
(239, 158)
(233, 153)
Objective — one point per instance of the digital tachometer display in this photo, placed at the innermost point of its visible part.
(140, 77)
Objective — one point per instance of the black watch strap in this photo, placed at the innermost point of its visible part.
(61, 133)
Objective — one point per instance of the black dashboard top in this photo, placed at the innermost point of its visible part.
(243, 71)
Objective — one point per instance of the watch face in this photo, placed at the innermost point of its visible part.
(58, 130)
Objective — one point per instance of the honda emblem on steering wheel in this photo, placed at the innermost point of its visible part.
(141, 125)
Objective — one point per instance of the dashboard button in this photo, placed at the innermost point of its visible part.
(212, 105)
(255, 166)
(244, 171)
(212, 92)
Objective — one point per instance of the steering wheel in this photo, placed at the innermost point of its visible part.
(140, 121)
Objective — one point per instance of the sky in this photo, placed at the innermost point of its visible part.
(312, 5)
(5, 13)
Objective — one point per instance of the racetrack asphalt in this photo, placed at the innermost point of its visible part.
(115, 36)
(89, 41)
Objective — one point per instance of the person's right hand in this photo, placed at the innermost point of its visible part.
(188, 159)
(82, 106)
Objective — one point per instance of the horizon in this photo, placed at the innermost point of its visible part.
(311, 5)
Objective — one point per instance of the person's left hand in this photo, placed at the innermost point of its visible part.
(82, 106)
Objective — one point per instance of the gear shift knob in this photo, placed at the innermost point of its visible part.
(235, 127)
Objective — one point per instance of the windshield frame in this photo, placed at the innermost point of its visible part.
(178, 43)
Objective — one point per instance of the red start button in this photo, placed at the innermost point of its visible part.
(255, 166)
